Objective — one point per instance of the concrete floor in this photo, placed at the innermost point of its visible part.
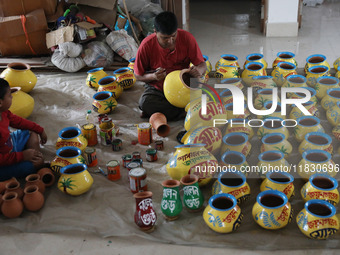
(220, 27)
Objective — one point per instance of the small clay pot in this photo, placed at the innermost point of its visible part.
(159, 122)
(33, 199)
(34, 179)
(14, 186)
(46, 176)
(12, 206)
(3, 184)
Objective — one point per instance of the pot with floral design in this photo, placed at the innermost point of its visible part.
(282, 71)
(71, 136)
(284, 56)
(93, 77)
(276, 141)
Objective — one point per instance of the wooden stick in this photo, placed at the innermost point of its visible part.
(128, 16)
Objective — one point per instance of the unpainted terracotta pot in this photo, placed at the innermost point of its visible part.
(14, 186)
(33, 199)
(12, 206)
(46, 176)
(159, 122)
(3, 184)
(34, 179)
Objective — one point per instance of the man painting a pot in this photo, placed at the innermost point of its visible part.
(167, 50)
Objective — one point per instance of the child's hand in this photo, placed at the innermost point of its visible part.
(43, 138)
(32, 155)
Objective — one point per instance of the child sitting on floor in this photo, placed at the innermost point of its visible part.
(19, 151)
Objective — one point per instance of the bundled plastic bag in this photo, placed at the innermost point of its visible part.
(98, 54)
(67, 57)
(123, 44)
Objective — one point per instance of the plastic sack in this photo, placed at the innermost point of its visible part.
(123, 44)
(98, 54)
(66, 57)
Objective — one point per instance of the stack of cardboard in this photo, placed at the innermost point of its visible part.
(23, 26)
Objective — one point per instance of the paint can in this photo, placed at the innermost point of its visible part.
(132, 165)
(116, 144)
(106, 136)
(151, 155)
(126, 159)
(159, 145)
(101, 117)
(89, 131)
(106, 123)
(137, 178)
(90, 156)
(113, 170)
(136, 155)
(139, 161)
(144, 133)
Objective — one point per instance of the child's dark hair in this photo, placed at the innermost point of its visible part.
(166, 23)
(4, 85)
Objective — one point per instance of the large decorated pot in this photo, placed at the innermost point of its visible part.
(192, 159)
(315, 72)
(282, 71)
(125, 77)
(93, 77)
(71, 136)
(75, 179)
(66, 156)
(252, 69)
(284, 56)
(316, 60)
(109, 83)
(20, 75)
(256, 57)
(225, 72)
(22, 103)
(331, 98)
(177, 88)
(104, 102)
(227, 60)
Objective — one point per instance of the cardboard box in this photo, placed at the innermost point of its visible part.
(104, 4)
(14, 41)
(100, 15)
(61, 35)
(20, 7)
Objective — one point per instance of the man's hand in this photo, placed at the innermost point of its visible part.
(32, 155)
(195, 72)
(43, 138)
(160, 74)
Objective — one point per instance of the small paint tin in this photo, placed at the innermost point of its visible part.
(136, 155)
(159, 145)
(106, 136)
(126, 159)
(144, 133)
(113, 170)
(116, 144)
(137, 178)
(151, 155)
(139, 161)
(90, 156)
(132, 165)
(101, 117)
(89, 131)
(106, 123)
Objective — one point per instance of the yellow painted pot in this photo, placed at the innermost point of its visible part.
(321, 186)
(262, 82)
(294, 81)
(227, 60)
(236, 142)
(316, 161)
(104, 102)
(229, 108)
(207, 62)
(239, 125)
(312, 91)
(20, 75)
(195, 118)
(71, 136)
(296, 113)
(336, 63)
(276, 141)
(252, 69)
(234, 161)
(93, 77)
(336, 133)
(210, 136)
(222, 214)
(316, 60)
(263, 96)
(331, 98)
(66, 156)
(282, 71)
(177, 88)
(192, 159)
(272, 161)
(22, 103)
(306, 124)
(233, 183)
(75, 179)
(325, 83)
(333, 115)
(280, 181)
(109, 83)
(224, 72)
(284, 56)
(125, 77)
(314, 72)
(272, 125)
(318, 220)
(131, 64)
(226, 95)
(255, 57)
(277, 112)
(272, 210)
(316, 140)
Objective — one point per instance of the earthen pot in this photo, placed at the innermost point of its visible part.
(46, 176)
(34, 179)
(33, 199)
(12, 206)
(159, 122)
(14, 186)
(3, 184)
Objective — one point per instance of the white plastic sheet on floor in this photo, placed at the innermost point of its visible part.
(61, 100)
